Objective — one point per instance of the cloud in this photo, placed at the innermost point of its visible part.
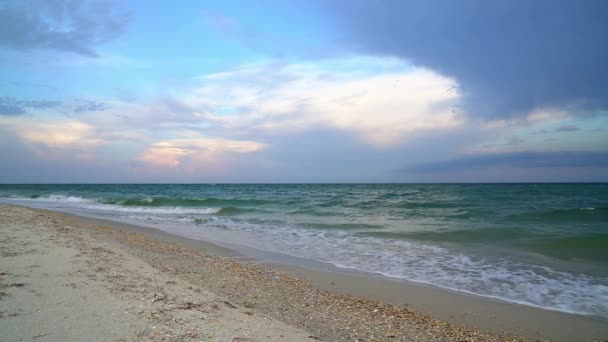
(525, 160)
(89, 106)
(382, 108)
(58, 135)
(22, 164)
(515, 141)
(351, 119)
(61, 25)
(509, 57)
(195, 151)
(55, 138)
(11, 107)
(235, 117)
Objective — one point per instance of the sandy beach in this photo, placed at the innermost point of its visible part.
(339, 170)
(67, 278)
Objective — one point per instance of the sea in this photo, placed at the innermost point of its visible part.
(544, 245)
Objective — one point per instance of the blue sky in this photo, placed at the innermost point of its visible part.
(303, 91)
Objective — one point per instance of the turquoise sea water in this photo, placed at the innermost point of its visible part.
(537, 244)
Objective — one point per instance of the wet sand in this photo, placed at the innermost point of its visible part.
(314, 304)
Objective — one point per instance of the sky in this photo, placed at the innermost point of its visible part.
(296, 91)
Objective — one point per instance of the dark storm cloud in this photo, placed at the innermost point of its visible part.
(11, 106)
(517, 160)
(509, 56)
(73, 26)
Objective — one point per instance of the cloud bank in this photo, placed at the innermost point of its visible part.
(351, 119)
(526, 160)
(509, 57)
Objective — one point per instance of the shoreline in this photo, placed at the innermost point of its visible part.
(363, 292)
(470, 310)
(262, 256)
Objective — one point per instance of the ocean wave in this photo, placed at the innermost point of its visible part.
(53, 198)
(500, 278)
(183, 202)
(96, 204)
(313, 212)
(447, 235)
(230, 211)
(569, 214)
(579, 244)
(584, 246)
(151, 217)
(157, 210)
(224, 211)
(427, 205)
(341, 226)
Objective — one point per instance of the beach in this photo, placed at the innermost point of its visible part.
(303, 170)
(71, 278)
(63, 283)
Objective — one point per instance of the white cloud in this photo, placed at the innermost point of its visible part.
(384, 107)
(200, 151)
(55, 138)
(380, 102)
(59, 133)
(536, 117)
(365, 103)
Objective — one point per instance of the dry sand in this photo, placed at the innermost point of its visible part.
(63, 283)
(68, 278)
